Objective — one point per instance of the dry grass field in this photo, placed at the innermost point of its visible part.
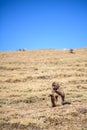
(25, 83)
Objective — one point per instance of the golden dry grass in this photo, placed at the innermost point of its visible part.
(25, 83)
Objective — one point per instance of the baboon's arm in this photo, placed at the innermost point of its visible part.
(58, 92)
(52, 100)
(61, 94)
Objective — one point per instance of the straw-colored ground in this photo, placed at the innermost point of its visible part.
(25, 83)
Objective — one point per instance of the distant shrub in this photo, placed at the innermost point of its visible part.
(71, 51)
(24, 49)
(19, 49)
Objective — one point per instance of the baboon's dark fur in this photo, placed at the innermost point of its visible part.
(57, 93)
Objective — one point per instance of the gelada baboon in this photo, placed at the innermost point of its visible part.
(58, 95)
(55, 99)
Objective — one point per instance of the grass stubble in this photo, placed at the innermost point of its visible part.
(25, 83)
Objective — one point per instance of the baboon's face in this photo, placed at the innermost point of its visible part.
(55, 86)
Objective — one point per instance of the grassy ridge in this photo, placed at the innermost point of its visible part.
(25, 83)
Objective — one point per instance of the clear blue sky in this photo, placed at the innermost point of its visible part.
(42, 24)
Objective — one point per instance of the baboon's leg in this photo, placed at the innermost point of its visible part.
(53, 101)
(60, 101)
(63, 98)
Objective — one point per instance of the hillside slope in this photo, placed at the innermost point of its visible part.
(25, 83)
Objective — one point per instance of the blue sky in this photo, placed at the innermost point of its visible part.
(43, 24)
